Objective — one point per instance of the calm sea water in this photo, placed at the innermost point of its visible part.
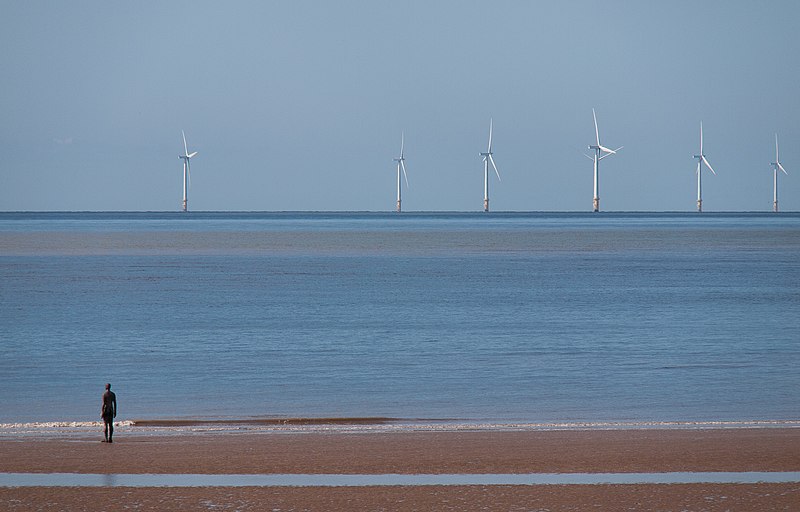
(502, 317)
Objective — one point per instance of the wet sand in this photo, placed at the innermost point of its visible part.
(415, 452)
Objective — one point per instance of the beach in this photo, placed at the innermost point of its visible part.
(467, 452)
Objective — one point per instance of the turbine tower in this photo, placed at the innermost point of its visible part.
(776, 166)
(600, 152)
(186, 177)
(487, 159)
(401, 166)
(701, 159)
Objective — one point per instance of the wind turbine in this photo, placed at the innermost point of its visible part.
(186, 177)
(600, 152)
(401, 166)
(487, 159)
(701, 159)
(776, 166)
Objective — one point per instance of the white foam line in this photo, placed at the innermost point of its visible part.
(339, 480)
(66, 428)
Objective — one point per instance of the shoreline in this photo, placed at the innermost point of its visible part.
(378, 425)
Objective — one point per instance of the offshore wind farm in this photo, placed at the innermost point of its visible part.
(599, 153)
(280, 127)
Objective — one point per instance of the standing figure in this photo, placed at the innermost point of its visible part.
(108, 412)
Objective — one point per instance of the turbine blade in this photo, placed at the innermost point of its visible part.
(703, 158)
(402, 143)
(190, 156)
(781, 168)
(776, 148)
(587, 156)
(701, 137)
(596, 131)
(403, 166)
(189, 173)
(605, 149)
(185, 148)
(490, 136)
(495, 167)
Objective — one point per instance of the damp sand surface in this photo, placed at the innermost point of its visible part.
(632, 451)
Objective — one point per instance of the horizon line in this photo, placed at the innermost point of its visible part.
(405, 212)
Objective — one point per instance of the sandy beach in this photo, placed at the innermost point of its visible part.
(591, 451)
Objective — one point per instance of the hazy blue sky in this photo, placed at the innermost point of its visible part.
(300, 105)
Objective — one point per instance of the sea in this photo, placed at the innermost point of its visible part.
(415, 318)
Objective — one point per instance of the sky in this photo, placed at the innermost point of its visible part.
(300, 106)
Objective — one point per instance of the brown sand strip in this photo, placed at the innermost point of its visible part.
(440, 452)
(420, 452)
(695, 497)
